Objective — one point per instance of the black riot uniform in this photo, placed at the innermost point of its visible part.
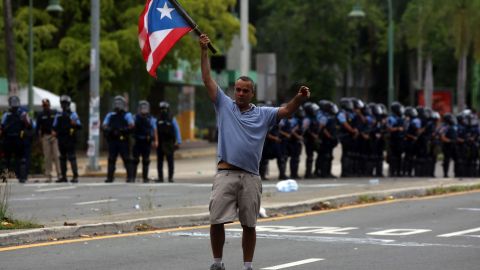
(396, 132)
(66, 124)
(14, 124)
(449, 139)
(377, 139)
(433, 131)
(421, 146)
(347, 135)
(294, 147)
(168, 141)
(311, 134)
(328, 136)
(145, 133)
(472, 142)
(461, 146)
(413, 130)
(117, 127)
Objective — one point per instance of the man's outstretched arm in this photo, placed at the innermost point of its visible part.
(210, 84)
(289, 109)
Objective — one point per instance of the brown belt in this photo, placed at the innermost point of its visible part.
(222, 165)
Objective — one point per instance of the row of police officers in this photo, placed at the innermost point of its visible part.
(57, 132)
(410, 139)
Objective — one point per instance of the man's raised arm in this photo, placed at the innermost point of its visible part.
(295, 103)
(205, 66)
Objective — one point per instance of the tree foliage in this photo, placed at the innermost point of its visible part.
(62, 42)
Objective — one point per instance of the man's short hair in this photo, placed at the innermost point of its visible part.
(248, 79)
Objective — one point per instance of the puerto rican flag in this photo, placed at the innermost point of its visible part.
(160, 26)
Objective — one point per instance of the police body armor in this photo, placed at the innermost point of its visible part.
(143, 128)
(14, 126)
(65, 129)
(118, 127)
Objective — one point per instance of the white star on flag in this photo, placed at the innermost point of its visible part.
(165, 11)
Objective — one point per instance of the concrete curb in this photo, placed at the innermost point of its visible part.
(57, 233)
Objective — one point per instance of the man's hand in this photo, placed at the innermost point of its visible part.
(204, 41)
(304, 91)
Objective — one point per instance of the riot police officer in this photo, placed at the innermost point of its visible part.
(347, 135)
(285, 134)
(15, 123)
(145, 132)
(396, 130)
(434, 130)
(377, 141)
(294, 147)
(461, 147)
(449, 139)
(311, 134)
(420, 166)
(49, 142)
(472, 142)
(168, 140)
(413, 130)
(117, 127)
(328, 136)
(65, 127)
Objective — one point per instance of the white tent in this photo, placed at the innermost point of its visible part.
(38, 95)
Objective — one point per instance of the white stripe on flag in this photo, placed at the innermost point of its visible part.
(156, 39)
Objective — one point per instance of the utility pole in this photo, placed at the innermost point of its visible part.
(94, 111)
(10, 48)
(245, 51)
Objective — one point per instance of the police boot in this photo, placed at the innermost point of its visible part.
(134, 169)
(129, 168)
(63, 169)
(110, 171)
(144, 170)
(445, 169)
(308, 168)
(282, 166)
(294, 169)
(73, 163)
(22, 171)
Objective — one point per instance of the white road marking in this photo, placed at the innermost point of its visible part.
(399, 232)
(294, 229)
(469, 209)
(95, 202)
(55, 189)
(462, 233)
(282, 266)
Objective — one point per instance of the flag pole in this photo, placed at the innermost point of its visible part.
(190, 22)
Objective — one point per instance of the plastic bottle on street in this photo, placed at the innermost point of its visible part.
(287, 185)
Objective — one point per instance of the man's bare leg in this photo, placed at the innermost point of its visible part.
(249, 240)
(217, 239)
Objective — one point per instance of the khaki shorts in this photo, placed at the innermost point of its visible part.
(235, 191)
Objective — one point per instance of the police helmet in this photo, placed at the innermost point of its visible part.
(421, 112)
(358, 104)
(411, 112)
(435, 116)
(330, 108)
(461, 119)
(14, 102)
(65, 102)
(164, 105)
(300, 113)
(119, 103)
(143, 107)
(449, 119)
(472, 120)
(397, 108)
(346, 104)
(428, 113)
(310, 108)
(323, 103)
(376, 109)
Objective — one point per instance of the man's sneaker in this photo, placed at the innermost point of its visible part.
(217, 266)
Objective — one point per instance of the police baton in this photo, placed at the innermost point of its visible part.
(190, 22)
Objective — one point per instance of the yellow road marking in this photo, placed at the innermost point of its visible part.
(320, 212)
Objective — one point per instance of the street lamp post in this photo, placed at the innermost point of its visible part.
(391, 89)
(53, 6)
(357, 12)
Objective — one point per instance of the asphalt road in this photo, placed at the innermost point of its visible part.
(434, 233)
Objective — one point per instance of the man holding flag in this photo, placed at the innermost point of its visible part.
(242, 128)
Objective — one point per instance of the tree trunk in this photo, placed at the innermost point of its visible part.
(461, 81)
(428, 87)
(10, 48)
